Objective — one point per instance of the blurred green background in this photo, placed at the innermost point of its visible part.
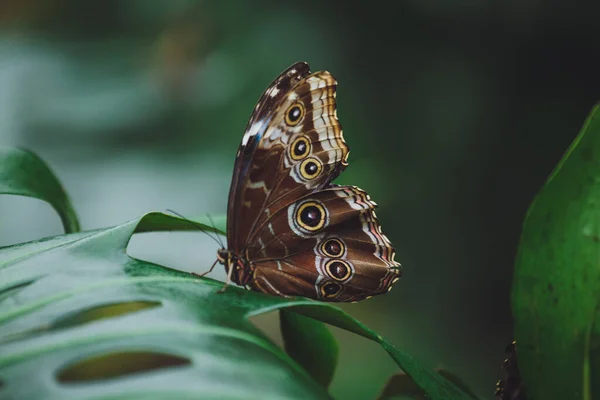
(455, 113)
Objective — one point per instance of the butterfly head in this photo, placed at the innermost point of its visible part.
(223, 255)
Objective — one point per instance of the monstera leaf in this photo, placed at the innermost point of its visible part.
(556, 292)
(80, 318)
(23, 173)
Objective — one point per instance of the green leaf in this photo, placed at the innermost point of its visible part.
(556, 291)
(25, 174)
(401, 385)
(80, 318)
(310, 344)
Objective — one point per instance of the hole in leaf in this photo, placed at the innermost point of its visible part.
(113, 365)
(44, 221)
(268, 324)
(84, 317)
(102, 312)
(13, 289)
(188, 251)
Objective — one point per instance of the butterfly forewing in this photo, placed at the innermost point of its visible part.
(289, 230)
(291, 150)
(247, 159)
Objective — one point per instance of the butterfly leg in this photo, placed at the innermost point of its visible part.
(207, 272)
(228, 280)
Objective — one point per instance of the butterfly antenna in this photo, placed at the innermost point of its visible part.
(197, 225)
(212, 224)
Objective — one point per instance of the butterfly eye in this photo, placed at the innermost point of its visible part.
(330, 289)
(338, 270)
(294, 114)
(311, 168)
(333, 248)
(311, 216)
(300, 148)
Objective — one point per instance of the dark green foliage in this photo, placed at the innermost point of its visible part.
(23, 173)
(556, 292)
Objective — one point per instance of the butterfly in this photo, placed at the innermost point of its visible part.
(290, 231)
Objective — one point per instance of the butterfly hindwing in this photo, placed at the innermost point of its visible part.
(331, 243)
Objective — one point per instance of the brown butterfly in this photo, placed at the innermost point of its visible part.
(290, 231)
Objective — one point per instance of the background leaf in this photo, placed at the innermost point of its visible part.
(401, 385)
(556, 291)
(310, 344)
(25, 174)
(75, 305)
(432, 383)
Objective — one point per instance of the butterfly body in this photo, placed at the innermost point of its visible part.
(290, 231)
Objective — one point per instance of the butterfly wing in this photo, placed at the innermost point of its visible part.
(295, 232)
(292, 146)
(327, 246)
